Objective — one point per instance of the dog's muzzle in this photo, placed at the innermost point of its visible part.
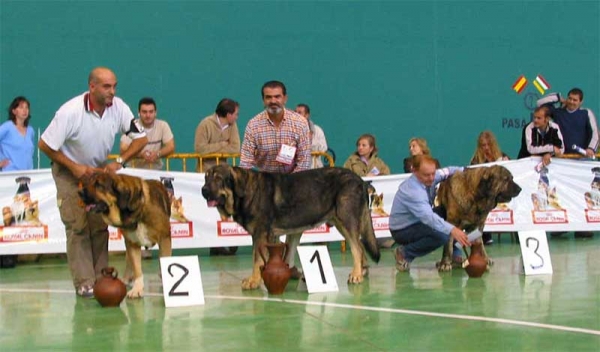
(212, 200)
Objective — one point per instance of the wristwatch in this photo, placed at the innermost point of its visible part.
(120, 161)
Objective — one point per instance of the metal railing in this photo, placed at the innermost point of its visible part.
(232, 159)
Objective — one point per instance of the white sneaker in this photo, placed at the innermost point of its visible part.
(85, 291)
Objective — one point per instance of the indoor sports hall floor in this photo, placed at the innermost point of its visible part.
(417, 311)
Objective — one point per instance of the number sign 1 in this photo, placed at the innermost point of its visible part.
(318, 271)
(182, 284)
(535, 251)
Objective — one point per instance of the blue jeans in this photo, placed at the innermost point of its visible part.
(419, 240)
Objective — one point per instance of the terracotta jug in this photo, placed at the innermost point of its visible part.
(275, 273)
(109, 291)
(477, 262)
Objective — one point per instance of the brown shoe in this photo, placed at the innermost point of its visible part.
(402, 264)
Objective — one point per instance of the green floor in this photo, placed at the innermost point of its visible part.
(417, 311)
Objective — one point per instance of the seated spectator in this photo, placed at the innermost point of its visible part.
(487, 151)
(161, 142)
(365, 162)
(541, 137)
(317, 136)
(417, 146)
(218, 133)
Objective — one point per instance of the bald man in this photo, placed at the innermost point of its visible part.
(78, 141)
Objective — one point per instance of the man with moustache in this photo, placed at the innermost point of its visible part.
(78, 141)
(277, 140)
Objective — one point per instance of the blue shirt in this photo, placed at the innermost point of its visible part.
(15, 147)
(411, 203)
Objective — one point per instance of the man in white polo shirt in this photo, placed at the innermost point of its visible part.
(78, 141)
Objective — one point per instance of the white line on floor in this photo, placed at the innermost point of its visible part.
(356, 307)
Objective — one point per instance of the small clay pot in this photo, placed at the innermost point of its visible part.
(477, 262)
(109, 291)
(275, 273)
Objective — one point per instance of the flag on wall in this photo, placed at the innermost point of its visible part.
(519, 84)
(540, 84)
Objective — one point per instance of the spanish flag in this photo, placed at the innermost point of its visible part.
(541, 84)
(520, 83)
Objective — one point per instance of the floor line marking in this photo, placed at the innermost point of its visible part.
(415, 312)
(357, 307)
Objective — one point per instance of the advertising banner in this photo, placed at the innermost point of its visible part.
(565, 196)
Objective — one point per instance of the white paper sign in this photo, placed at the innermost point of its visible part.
(182, 284)
(535, 252)
(317, 268)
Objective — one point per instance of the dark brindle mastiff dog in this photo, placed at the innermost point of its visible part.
(467, 197)
(140, 208)
(270, 205)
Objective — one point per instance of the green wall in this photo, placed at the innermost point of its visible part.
(442, 70)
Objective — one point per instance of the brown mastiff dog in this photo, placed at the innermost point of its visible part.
(140, 208)
(270, 205)
(467, 197)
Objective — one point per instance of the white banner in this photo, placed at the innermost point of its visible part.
(564, 197)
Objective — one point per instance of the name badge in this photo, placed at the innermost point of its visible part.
(286, 154)
(375, 171)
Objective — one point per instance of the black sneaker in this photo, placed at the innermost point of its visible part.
(584, 234)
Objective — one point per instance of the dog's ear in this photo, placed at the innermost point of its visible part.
(128, 196)
(238, 181)
(485, 183)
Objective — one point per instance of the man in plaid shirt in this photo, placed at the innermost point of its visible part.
(277, 139)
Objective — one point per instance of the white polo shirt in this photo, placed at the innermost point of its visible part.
(86, 137)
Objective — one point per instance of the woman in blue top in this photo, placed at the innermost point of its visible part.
(17, 137)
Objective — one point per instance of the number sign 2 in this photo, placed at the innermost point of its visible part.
(318, 271)
(535, 251)
(182, 284)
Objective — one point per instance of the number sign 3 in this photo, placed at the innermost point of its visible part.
(535, 252)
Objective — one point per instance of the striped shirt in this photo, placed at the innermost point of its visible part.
(263, 141)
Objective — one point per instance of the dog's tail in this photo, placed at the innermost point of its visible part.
(367, 234)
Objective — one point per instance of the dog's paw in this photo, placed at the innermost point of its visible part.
(137, 290)
(444, 266)
(355, 279)
(133, 293)
(365, 271)
(250, 284)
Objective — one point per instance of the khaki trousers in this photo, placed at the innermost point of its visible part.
(87, 233)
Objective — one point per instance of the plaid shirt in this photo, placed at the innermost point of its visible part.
(263, 140)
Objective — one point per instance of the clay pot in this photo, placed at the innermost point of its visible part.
(109, 291)
(477, 262)
(275, 273)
